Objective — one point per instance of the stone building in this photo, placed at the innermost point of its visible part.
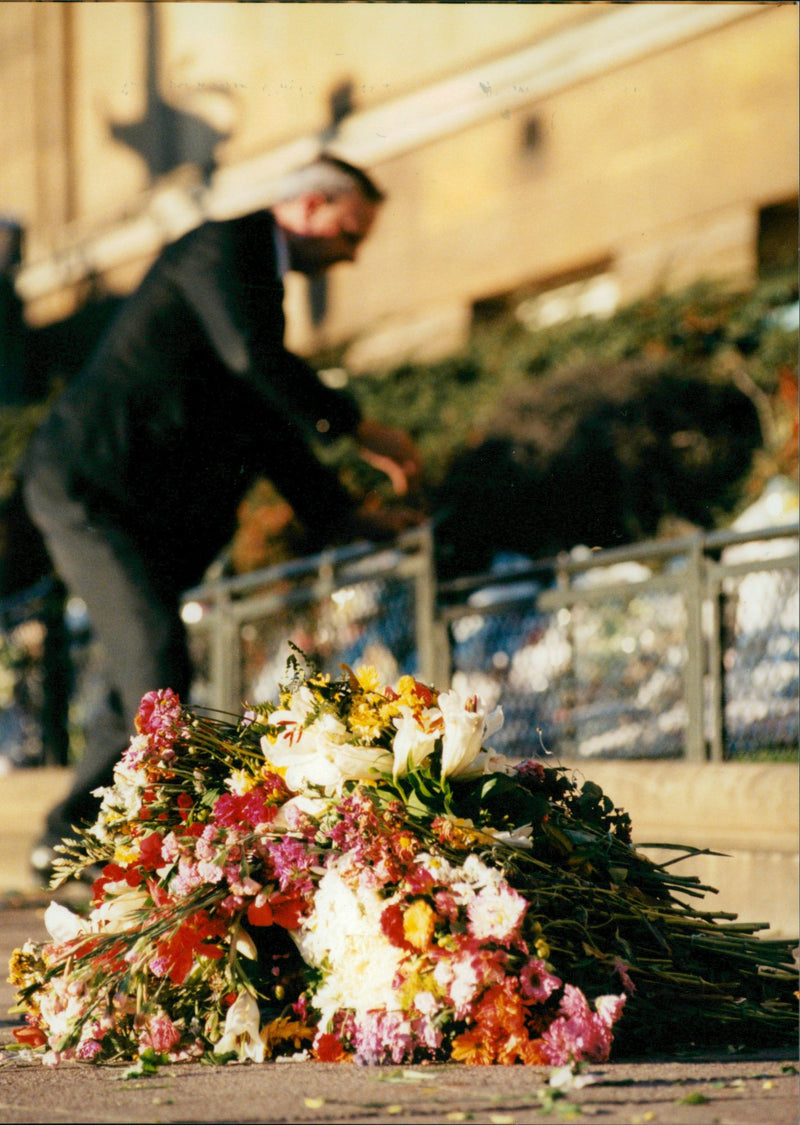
(567, 157)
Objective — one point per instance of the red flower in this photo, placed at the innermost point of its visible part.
(111, 873)
(423, 693)
(260, 915)
(30, 1036)
(150, 856)
(184, 804)
(231, 810)
(279, 910)
(176, 953)
(392, 925)
(329, 1048)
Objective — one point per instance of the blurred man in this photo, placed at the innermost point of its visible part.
(135, 477)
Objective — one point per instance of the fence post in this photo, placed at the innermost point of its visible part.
(432, 635)
(224, 656)
(716, 676)
(694, 678)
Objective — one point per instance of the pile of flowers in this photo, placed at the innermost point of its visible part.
(352, 873)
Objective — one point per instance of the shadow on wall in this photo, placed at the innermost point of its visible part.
(166, 136)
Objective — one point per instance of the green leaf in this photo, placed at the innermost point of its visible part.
(695, 1098)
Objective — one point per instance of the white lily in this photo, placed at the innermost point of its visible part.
(242, 1030)
(414, 741)
(120, 912)
(466, 726)
(322, 756)
(244, 944)
(62, 925)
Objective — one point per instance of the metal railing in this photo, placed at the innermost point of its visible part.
(684, 648)
(353, 605)
(674, 648)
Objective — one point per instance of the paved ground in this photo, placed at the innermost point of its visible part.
(712, 1088)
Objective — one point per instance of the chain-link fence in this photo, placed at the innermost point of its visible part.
(682, 648)
(686, 648)
(753, 632)
(349, 606)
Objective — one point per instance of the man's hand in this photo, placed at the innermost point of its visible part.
(392, 452)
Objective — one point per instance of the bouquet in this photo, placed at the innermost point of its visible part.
(352, 874)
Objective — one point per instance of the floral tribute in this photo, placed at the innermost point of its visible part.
(352, 874)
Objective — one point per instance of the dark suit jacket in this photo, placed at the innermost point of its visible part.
(190, 395)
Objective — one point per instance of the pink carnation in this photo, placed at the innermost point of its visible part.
(159, 711)
(161, 1033)
(159, 716)
(536, 983)
(89, 1049)
(495, 913)
(579, 1034)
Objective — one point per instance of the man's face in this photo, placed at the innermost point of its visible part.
(329, 231)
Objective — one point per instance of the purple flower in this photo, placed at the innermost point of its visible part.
(291, 859)
(380, 1037)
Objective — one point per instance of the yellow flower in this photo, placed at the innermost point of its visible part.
(414, 694)
(460, 833)
(241, 782)
(125, 854)
(366, 721)
(25, 967)
(270, 767)
(419, 985)
(419, 923)
(540, 943)
(367, 677)
(284, 1030)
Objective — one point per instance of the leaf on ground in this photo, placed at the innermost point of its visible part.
(695, 1098)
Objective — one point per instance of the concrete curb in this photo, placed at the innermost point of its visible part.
(748, 811)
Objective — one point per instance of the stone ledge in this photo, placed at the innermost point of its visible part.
(748, 811)
(720, 805)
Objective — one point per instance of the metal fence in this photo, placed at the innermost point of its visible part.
(682, 648)
(352, 606)
(668, 649)
(676, 648)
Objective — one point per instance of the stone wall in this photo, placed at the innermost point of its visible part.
(519, 143)
(747, 811)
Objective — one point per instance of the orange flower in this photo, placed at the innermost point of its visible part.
(473, 1047)
(30, 1036)
(419, 923)
(500, 1034)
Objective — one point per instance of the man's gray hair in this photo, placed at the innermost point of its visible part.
(330, 176)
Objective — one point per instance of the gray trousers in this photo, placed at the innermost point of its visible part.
(133, 609)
